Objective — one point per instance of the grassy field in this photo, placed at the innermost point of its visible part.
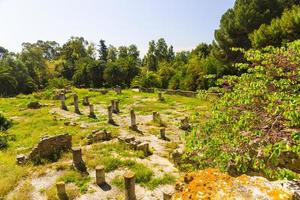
(30, 125)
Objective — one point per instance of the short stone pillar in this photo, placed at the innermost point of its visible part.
(61, 191)
(160, 97)
(76, 106)
(133, 125)
(167, 196)
(185, 124)
(109, 114)
(63, 105)
(115, 106)
(92, 113)
(156, 117)
(77, 159)
(86, 101)
(163, 134)
(100, 175)
(129, 180)
(118, 89)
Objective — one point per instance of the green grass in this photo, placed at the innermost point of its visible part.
(80, 180)
(164, 180)
(23, 193)
(30, 125)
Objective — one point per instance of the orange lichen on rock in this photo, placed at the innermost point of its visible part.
(213, 184)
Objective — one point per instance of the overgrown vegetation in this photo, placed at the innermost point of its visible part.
(254, 126)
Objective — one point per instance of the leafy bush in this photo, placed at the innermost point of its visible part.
(58, 83)
(4, 123)
(253, 125)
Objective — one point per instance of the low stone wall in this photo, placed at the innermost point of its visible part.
(147, 90)
(49, 146)
(181, 93)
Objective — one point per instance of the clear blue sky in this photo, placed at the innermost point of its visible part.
(183, 23)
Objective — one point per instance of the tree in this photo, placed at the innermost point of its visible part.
(246, 16)
(102, 51)
(284, 29)
(161, 50)
(150, 59)
(112, 54)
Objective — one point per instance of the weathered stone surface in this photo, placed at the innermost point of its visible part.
(50, 146)
(34, 105)
(212, 184)
(103, 91)
(98, 136)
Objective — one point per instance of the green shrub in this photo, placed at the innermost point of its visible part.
(4, 123)
(252, 127)
(58, 83)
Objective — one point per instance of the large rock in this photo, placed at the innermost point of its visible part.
(34, 105)
(212, 184)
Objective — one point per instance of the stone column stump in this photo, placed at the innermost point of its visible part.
(61, 191)
(86, 101)
(133, 125)
(77, 159)
(129, 179)
(100, 175)
(76, 106)
(63, 105)
(109, 114)
(92, 113)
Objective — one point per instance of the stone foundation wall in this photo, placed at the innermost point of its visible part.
(48, 146)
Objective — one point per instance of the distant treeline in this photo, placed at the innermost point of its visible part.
(249, 24)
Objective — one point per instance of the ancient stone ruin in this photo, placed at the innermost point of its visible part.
(163, 134)
(185, 125)
(77, 159)
(48, 148)
(100, 175)
(86, 101)
(133, 125)
(129, 180)
(34, 105)
(76, 105)
(92, 113)
(118, 89)
(147, 90)
(61, 191)
(160, 97)
(63, 105)
(99, 136)
(136, 145)
(109, 115)
(115, 106)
